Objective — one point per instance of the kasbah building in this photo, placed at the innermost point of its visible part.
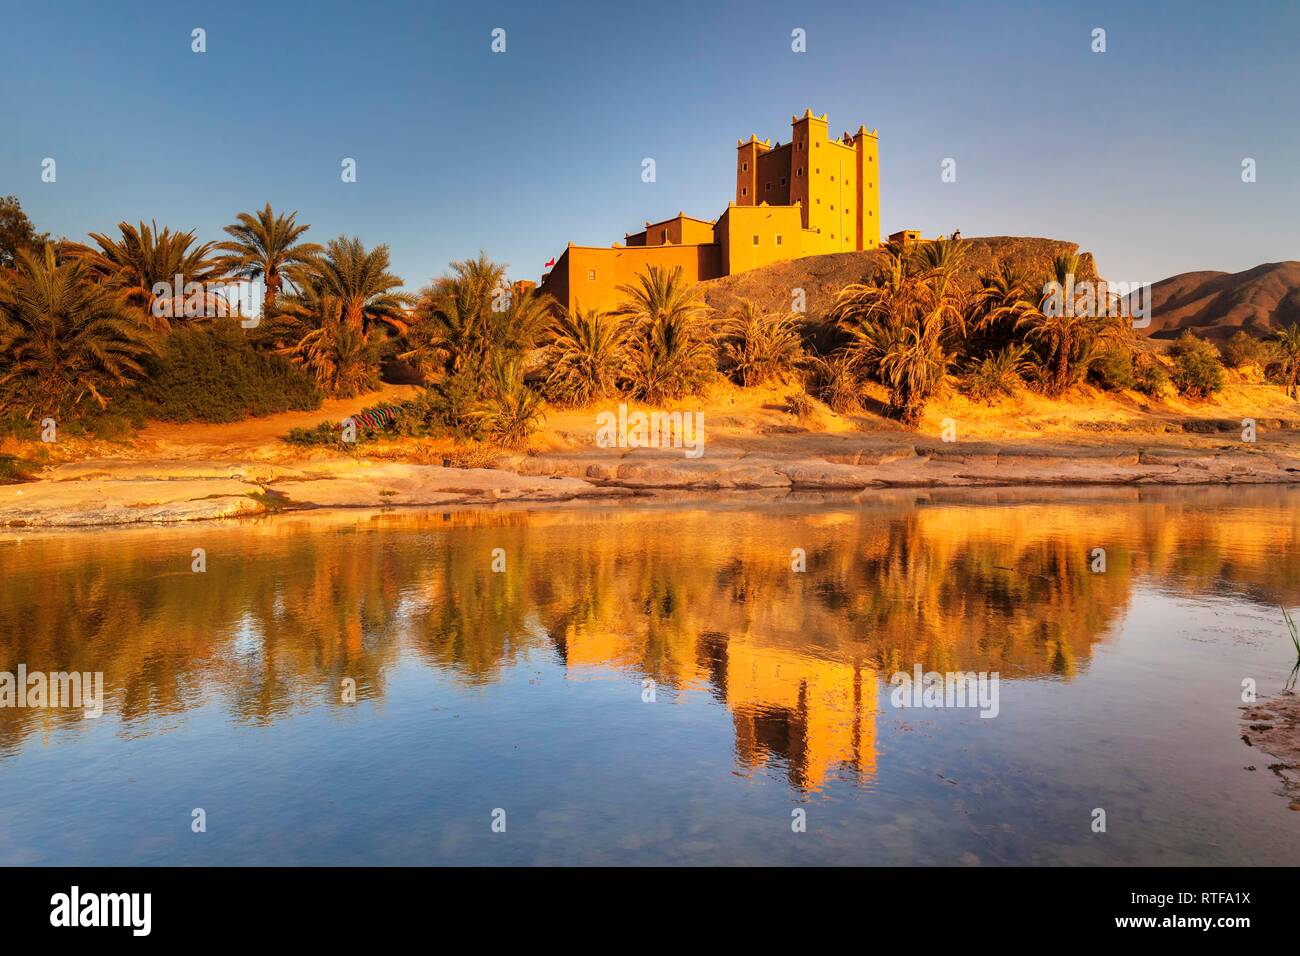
(810, 196)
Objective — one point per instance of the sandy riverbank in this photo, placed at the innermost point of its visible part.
(173, 473)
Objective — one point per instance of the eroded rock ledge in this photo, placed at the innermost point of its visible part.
(110, 492)
(1272, 726)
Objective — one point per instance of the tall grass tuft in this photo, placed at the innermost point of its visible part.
(1295, 640)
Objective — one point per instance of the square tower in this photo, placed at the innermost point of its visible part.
(747, 156)
(868, 215)
(834, 182)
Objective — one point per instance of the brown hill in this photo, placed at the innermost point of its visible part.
(1217, 304)
(821, 277)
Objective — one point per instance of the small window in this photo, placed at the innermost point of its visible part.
(744, 167)
(782, 180)
(800, 172)
(818, 170)
(832, 178)
(871, 159)
(817, 144)
(819, 201)
(756, 240)
(767, 187)
(832, 208)
(744, 191)
(800, 146)
(779, 239)
(591, 275)
(665, 236)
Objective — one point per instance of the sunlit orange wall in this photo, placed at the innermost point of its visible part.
(589, 276)
(738, 226)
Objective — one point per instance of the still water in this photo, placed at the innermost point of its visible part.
(651, 682)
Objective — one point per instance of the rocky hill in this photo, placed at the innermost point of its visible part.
(1217, 304)
(821, 277)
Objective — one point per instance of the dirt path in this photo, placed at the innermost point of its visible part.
(236, 439)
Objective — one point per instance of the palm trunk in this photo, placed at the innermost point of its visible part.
(272, 290)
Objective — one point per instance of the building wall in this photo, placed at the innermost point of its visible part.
(589, 276)
(773, 184)
(680, 230)
(753, 236)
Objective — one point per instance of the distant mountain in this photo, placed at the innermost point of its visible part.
(1216, 304)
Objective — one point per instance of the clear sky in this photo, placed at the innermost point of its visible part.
(1134, 153)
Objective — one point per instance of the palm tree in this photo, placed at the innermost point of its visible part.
(901, 325)
(669, 348)
(992, 323)
(909, 357)
(264, 245)
(360, 281)
(586, 355)
(145, 258)
(464, 320)
(450, 320)
(937, 255)
(337, 353)
(510, 411)
(1068, 332)
(760, 346)
(64, 337)
(835, 381)
(1288, 343)
(346, 295)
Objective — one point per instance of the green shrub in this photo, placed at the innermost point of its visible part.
(448, 408)
(210, 372)
(1197, 368)
(1149, 375)
(1244, 349)
(16, 425)
(330, 433)
(324, 433)
(14, 470)
(1112, 370)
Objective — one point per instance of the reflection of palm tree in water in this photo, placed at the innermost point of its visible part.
(695, 599)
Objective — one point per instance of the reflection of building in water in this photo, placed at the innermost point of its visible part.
(809, 713)
(813, 714)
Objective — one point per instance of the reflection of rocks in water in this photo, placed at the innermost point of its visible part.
(1272, 726)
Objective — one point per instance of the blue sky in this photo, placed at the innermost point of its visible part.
(1134, 153)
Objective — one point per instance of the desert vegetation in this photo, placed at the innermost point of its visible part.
(97, 335)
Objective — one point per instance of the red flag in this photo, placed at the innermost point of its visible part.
(549, 264)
